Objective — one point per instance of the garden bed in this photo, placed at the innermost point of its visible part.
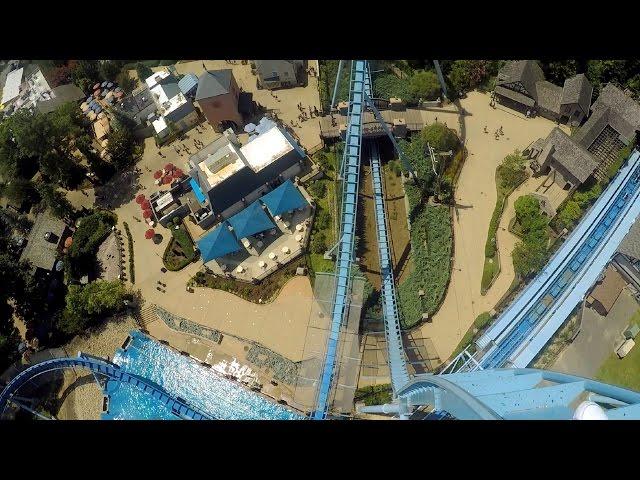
(374, 394)
(263, 292)
(179, 252)
(508, 176)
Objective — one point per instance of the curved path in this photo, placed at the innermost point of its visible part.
(112, 371)
(475, 199)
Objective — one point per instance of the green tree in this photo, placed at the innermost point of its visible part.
(425, 85)
(143, 71)
(440, 137)
(569, 214)
(109, 69)
(124, 80)
(558, 71)
(20, 191)
(122, 147)
(89, 304)
(85, 73)
(465, 75)
(513, 170)
(55, 200)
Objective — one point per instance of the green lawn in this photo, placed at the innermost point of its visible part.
(623, 372)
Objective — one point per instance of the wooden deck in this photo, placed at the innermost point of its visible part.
(413, 118)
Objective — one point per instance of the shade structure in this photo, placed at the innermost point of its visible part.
(104, 84)
(177, 173)
(92, 115)
(157, 174)
(149, 233)
(146, 214)
(167, 179)
(284, 199)
(250, 221)
(96, 86)
(169, 166)
(140, 198)
(68, 241)
(218, 243)
(110, 84)
(146, 205)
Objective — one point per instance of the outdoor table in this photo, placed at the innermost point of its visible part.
(299, 227)
(276, 218)
(272, 256)
(262, 264)
(298, 238)
(223, 267)
(239, 269)
(287, 224)
(246, 242)
(285, 250)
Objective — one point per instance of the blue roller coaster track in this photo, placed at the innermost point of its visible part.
(478, 389)
(108, 370)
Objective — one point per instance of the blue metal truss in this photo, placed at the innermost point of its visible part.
(350, 175)
(109, 370)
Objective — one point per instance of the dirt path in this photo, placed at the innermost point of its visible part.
(475, 200)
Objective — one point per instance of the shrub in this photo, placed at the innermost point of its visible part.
(431, 246)
(182, 237)
(318, 242)
(132, 272)
(531, 253)
(425, 85)
(387, 85)
(318, 189)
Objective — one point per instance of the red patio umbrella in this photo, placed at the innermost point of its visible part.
(149, 233)
(146, 205)
(96, 86)
(146, 214)
(177, 173)
(167, 180)
(157, 175)
(140, 198)
(169, 166)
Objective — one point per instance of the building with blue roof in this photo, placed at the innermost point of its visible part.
(232, 175)
(218, 243)
(250, 221)
(284, 199)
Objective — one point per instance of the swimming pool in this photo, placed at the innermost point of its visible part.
(181, 376)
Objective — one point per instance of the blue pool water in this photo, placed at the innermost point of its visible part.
(181, 376)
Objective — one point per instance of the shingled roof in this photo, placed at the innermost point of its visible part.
(571, 155)
(527, 72)
(577, 89)
(623, 105)
(213, 83)
(630, 245)
(40, 252)
(548, 96)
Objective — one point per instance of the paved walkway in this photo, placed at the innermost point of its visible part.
(475, 200)
(597, 338)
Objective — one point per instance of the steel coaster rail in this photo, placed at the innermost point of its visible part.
(557, 261)
(573, 259)
(392, 330)
(110, 370)
(351, 172)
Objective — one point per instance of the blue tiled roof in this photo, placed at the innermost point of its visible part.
(284, 199)
(250, 221)
(218, 243)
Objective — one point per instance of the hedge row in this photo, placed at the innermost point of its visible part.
(132, 272)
